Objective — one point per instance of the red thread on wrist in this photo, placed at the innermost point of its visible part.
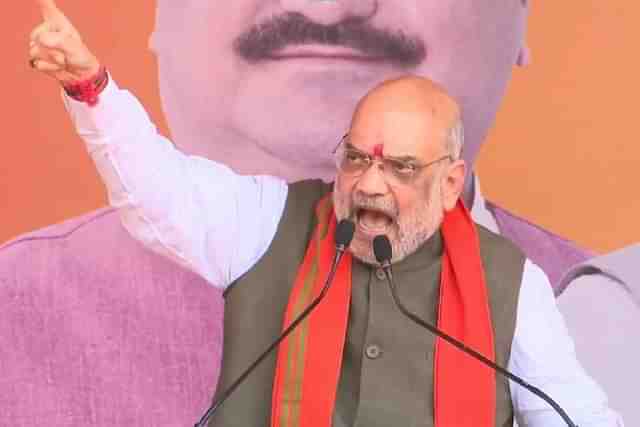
(88, 90)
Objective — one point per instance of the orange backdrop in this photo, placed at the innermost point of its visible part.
(564, 138)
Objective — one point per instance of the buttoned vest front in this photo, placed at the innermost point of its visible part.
(387, 371)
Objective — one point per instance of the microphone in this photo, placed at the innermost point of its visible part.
(343, 236)
(383, 252)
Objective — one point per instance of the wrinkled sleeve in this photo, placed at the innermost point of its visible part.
(543, 354)
(193, 210)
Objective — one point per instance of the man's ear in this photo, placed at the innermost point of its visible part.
(452, 183)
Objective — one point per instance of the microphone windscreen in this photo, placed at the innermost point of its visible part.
(344, 232)
(382, 248)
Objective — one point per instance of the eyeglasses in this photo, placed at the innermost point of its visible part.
(354, 163)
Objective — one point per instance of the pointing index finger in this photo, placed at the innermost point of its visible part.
(48, 8)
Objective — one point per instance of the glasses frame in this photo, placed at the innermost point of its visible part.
(415, 167)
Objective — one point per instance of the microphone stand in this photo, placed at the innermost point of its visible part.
(341, 247)
(385, 262)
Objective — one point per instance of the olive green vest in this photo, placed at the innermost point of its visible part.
(387, 371)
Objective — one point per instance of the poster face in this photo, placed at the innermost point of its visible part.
(559, 131)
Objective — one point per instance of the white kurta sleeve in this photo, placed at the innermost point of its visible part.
(543, 354)
(603, 317)
(193, 210)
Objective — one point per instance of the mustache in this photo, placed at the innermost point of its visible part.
(387, 207)
(263, 41)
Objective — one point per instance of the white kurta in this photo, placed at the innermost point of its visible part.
(218, 224)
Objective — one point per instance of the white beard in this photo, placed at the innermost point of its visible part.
(410, 229)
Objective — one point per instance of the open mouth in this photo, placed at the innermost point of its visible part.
(373, 221)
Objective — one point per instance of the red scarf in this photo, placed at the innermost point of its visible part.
(309, 360)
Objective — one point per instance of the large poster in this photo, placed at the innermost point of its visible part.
(548, 97)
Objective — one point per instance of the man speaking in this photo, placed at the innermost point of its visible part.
(399, 174)
(223, 86)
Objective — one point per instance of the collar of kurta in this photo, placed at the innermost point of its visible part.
(309, 360)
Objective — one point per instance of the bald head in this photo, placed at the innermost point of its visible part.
(411, 93)
(411, 109)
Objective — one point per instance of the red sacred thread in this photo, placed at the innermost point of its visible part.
(88, 90)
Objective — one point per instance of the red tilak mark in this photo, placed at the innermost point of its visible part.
(378, 150)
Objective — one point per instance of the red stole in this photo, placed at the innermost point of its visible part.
(309, 360)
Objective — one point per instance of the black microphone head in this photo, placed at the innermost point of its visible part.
(382, 248)
(344, 233)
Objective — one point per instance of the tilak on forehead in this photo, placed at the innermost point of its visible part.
(378, 150)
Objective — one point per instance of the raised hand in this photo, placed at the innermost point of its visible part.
(56, 48)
